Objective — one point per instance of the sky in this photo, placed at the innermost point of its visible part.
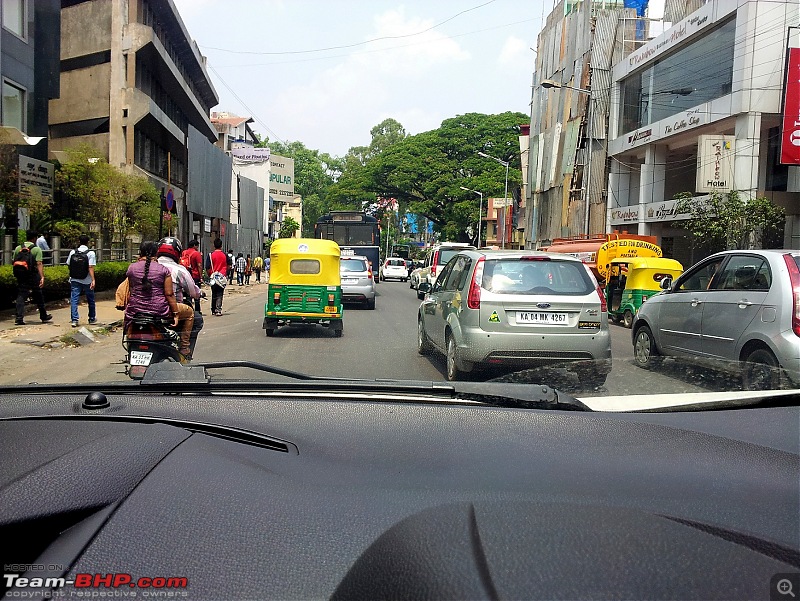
(325, 72)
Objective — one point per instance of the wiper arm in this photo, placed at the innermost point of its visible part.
(497, 394)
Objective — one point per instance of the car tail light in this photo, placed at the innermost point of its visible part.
(794, 278)
(369, 273)
(535, 259)
(474, 296)
(434, 262)
(600, 293)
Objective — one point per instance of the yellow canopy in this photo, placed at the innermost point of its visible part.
(304, 261)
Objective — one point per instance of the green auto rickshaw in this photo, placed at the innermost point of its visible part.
(304, 285)
(631, 281)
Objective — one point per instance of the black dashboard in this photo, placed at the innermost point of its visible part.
(316, 496)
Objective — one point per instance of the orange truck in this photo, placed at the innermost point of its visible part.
(585, 247)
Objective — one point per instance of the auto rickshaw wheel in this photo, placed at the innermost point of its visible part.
(337, 333)
(270, 332)
(627, 318)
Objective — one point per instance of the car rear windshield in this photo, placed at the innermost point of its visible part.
(515, 276)
(353, 265)
(396, 262)
(446, 254)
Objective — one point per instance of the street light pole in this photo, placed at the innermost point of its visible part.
(505, 193)
(480, 212)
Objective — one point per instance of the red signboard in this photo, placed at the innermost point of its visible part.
(790, 134)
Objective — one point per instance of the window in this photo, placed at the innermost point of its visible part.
(304, 266)
(14, 16)
(458, 274)
(745, 273)
(661, 90)
(13, 107)
(353, 265)
(512, 276)
(700, 278)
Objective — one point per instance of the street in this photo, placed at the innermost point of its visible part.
(375, 344)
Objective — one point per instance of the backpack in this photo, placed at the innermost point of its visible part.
(24, 268)
(79, 265)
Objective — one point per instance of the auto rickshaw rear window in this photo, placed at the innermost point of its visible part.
(304, 266)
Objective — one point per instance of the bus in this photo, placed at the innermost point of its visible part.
(401, 250)
(355, 232)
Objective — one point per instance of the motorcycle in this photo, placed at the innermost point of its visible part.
(149, 339)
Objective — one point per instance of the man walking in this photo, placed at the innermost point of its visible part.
(41, 242)
(258, 265)
(192, 260)
(241, 265)
(29, 272)
(231, 266)
(219, 264)
(81, 262)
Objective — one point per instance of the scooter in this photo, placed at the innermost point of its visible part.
(149, 339)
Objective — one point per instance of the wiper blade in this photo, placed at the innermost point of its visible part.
(497, 394)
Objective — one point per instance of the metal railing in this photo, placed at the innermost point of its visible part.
(127, 251)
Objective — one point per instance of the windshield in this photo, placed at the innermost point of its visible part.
(225, 186)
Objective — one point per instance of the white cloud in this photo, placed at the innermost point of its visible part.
(513, 51)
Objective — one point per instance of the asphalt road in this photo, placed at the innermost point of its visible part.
(375, 344)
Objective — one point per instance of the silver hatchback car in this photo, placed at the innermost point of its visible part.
(358, 281)
(738, 310)
(519, 308)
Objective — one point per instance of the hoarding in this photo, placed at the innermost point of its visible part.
(715, 160)
(790, 132)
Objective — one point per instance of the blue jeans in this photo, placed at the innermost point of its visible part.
(76, 289)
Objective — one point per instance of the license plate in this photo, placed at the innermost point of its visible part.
(140, 358)
(349, 281)
(542, 318)
(330, 310)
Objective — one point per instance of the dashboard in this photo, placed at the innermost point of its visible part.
(252, 495)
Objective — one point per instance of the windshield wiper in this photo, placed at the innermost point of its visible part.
(497, 394)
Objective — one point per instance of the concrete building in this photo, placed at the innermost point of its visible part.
(706, 94)
(233, 131)
(133, 86)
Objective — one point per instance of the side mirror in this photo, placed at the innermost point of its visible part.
(666, 284)
(424, 287)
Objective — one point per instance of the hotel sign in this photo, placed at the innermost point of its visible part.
(715, 158)
(790, 132)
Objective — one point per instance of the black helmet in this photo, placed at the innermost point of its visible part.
(170, 247)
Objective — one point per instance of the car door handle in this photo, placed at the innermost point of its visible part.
(696, 301)
(744, 303)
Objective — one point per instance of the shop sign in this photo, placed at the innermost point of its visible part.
(625, 215)
(715, 158)
(663, 211)
(689, 120)
(790, 132)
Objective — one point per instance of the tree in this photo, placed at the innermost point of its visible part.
(727, 222)
(425, 172)
(288, 228)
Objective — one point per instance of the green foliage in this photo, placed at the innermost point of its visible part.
(98, 192)
(267, 245)
(107, 275)
(288, 228)
(727, 221)
(69, 230)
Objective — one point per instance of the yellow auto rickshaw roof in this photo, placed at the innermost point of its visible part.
(307, 246)
(648, 263)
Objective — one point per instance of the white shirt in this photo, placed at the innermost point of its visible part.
(92, 263)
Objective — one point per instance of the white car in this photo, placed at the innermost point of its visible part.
(394, 268)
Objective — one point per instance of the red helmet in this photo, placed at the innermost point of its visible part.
(170, 247)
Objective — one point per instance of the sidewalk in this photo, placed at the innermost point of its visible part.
(49, 334)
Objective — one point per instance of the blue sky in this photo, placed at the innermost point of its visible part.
(437, 64)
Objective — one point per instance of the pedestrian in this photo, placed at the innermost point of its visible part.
(41, 242)
(241, 265)
(192, 260)
(231, 266)
(217, 267)
(248, 271)
(258, 265)
(266, 268)
(81, 262)
(29, 273)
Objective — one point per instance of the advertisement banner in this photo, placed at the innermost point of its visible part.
(248, 154)
(790, 132)
(281, 178)
(715, 159)
(624, 249)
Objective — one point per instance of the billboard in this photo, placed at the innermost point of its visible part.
(790, 130)
(281, 178)
(248, 154)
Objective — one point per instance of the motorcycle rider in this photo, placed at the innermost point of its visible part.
(169, 255)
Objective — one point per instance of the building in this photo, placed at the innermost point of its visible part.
(704, 95)
(29, 59)
(233, 131)
(134, 86)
